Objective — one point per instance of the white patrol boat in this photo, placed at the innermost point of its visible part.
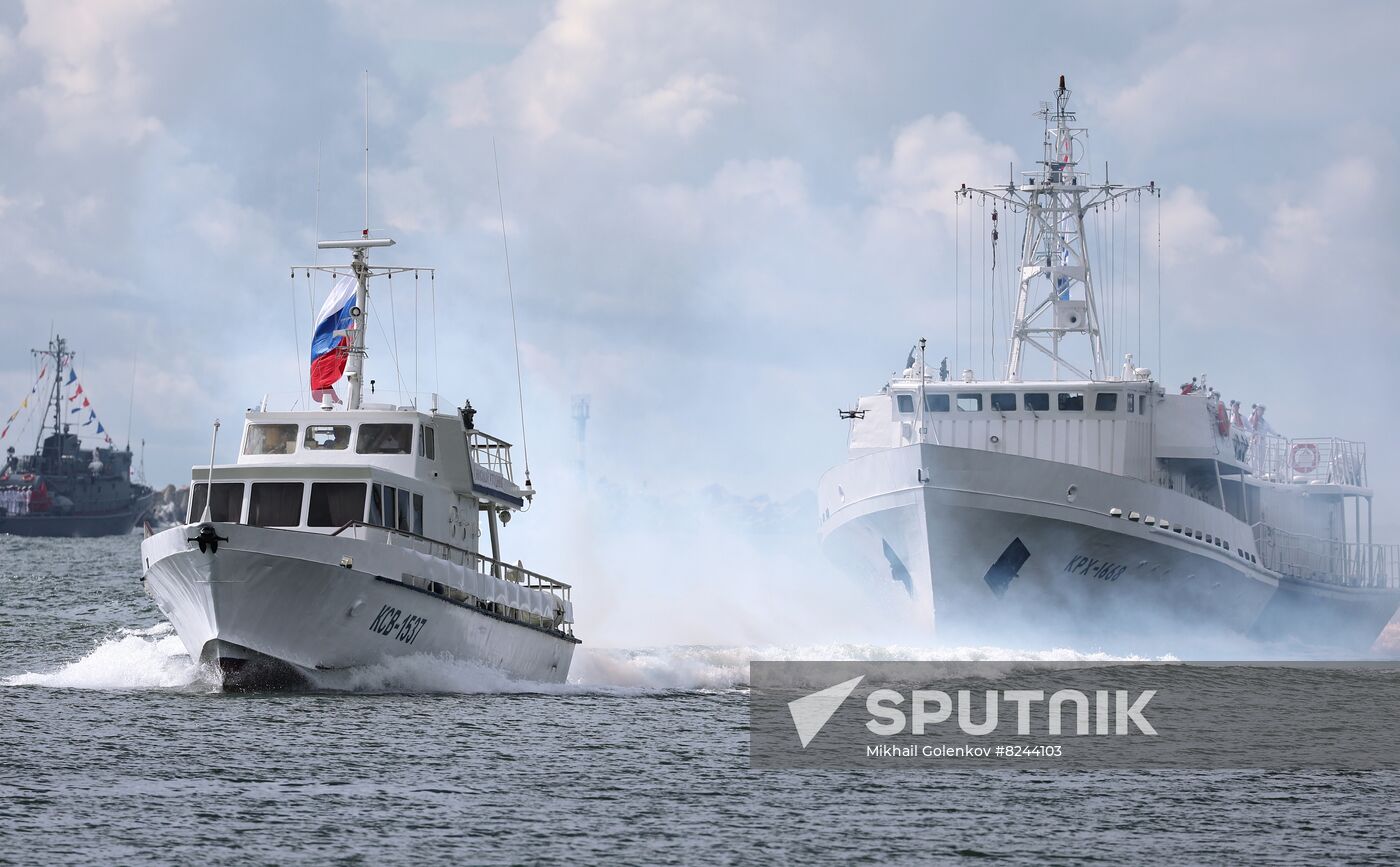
(344, 537)
(1097, 506)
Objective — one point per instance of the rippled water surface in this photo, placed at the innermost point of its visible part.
(114, 748)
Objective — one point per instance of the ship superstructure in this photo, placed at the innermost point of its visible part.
(62, 488)
(1089, 502)
(348, 535)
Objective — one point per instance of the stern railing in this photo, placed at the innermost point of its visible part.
(1304, 460)
(1347, 564)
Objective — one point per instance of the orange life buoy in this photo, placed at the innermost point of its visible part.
(1222, 419)
(28, 477)
(1304, 457)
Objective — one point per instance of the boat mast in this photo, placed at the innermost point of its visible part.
(58, 351)
(362, 271)
(1054, 248)
(359, 312)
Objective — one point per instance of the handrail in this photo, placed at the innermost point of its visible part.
(1353, 564)
(1301, 460)
(506, 568)
(490, 452)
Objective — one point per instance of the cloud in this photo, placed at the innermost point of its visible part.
(1191, 232)
(92, 88)
(608, 77)
(723, 222)
(1212, 65)
(931, 157)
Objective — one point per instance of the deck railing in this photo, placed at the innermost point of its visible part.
(1349, 564)
(1302, 460)
(490, 452)
(481, 563)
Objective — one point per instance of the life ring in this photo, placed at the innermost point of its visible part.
(1304, 457)
(28, 477)
(1222, 419)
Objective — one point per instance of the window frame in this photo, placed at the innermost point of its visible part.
(311, 503)
(260, 428)
(969, 395)
(930, 402)
(253, 492)
(375, 512)
(1026, 401)
(306, 437)
(992, 401)
(1099, 400)
(196, 513)
(373, 428)
(904, 403)
(1064, 398)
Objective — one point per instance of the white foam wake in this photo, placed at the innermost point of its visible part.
(135, 659)
(154, 659)
(721, 668)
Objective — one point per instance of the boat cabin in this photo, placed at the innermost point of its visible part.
(424, 473)
(1102, 425)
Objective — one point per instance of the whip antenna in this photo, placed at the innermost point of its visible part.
(366, 231)
(515, 331)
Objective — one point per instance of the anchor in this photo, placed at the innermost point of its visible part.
(208, 538)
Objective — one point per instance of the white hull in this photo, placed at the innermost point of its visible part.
(993, 547)
(276, 604)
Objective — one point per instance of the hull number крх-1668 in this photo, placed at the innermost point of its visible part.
(391, 621)
(1081, 565)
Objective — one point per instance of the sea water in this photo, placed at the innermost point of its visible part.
(116, 748)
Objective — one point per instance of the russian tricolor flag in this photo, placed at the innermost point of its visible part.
(329, 345)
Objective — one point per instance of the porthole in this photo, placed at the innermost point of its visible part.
(1071, 492)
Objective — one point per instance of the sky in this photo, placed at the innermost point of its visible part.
(725, 220)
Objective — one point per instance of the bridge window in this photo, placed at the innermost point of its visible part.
(384, 439)
(405, 516)
(969, 403)
(427, 446)
(270, 439)
(1004, 401)
(275, 504)
(227, 504)
(417, 514)
(1132, 401)
(384, 506)
(935, 403)
(1071, 401)
(1106, 401)
(1038, 401)
(906, 402)
(330, 437)
(334, 504)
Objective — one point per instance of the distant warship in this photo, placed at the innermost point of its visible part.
(63, 489)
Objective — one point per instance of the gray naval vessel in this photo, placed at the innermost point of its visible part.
(62, 488)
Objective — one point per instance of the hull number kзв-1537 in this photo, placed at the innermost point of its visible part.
(392, 622)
